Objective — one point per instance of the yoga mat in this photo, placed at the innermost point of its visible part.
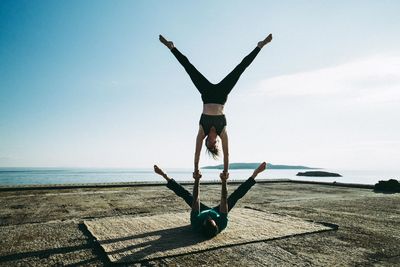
(134, 239)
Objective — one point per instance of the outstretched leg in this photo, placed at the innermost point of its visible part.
(178, 189)
(227, 84)
(243, 188)
(201, 83)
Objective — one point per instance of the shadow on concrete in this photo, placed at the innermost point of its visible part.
(46, 253)
(172, 238)
(160, 242)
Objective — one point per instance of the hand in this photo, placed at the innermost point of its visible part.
(197, 175)
(224, 176)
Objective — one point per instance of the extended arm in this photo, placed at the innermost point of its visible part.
(196, 195)
(225, 149)
(199, 143)
(223, 207)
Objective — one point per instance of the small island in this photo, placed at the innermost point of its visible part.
(318, 174)
(245, 166)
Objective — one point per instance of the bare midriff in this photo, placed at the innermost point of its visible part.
(213, 109)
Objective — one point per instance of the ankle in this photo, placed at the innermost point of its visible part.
(261, 44)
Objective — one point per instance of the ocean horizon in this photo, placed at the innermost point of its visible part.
(39, 176)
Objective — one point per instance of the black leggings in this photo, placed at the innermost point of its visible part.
(232, 199)
(215, 93)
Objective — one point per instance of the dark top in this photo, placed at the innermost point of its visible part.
(208, 121)
(197, 218)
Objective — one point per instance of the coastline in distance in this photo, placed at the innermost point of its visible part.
(236, 166)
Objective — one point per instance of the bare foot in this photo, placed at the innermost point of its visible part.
(167, 43)
(160, 172)
(259, 169)
(265, 41)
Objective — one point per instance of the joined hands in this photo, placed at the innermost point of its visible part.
(224, 176)
(197, 175)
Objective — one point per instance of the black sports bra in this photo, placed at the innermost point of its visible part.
(208, 121)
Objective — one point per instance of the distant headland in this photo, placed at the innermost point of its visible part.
(237, 166)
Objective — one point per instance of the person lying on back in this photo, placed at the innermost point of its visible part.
(206, 220)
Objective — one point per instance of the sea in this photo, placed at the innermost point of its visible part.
(40, 176)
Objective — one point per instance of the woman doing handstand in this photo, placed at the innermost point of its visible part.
(214, 96)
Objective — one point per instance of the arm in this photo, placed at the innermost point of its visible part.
(196, 173)
(196, 195)
(225, 149)
(223, 207)
(199, 143)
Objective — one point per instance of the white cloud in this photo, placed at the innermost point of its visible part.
(374, 79)
(343, 116)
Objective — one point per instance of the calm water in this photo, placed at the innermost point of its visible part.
(15, 176)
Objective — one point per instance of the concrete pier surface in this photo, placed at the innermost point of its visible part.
(43, 226)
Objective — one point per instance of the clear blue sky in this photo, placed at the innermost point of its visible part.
(87, 83)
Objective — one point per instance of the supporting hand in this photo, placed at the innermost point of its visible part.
(196, 191)
(224, 176)
(223, 207)
(197, 175)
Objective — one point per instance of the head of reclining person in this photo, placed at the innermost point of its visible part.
(209, 228)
